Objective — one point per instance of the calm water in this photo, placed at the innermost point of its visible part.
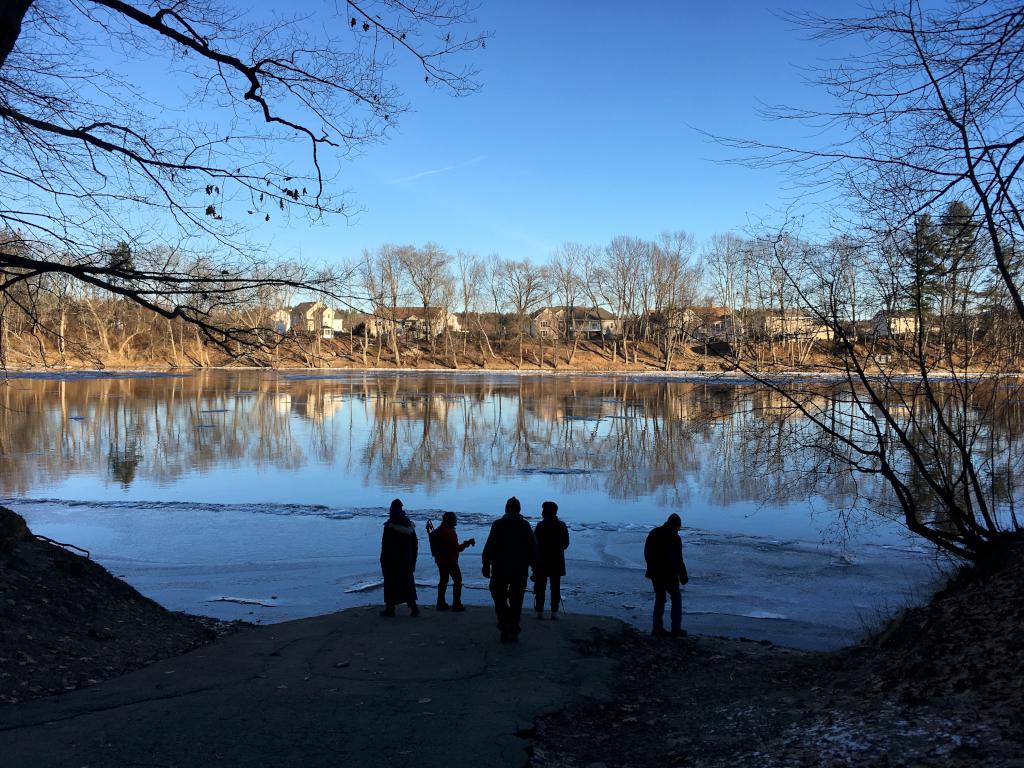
(203, 486)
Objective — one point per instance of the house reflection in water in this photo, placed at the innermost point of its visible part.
(626, 438)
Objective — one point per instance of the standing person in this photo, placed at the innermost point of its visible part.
(398, 550)
(445, 546)
(663, 552)
(552, 540)
(508, 554)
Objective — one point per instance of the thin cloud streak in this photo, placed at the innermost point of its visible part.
(435, 171)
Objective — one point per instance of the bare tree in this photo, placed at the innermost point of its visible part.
(472, 276)
(625, 259)
(674, 281)
(428, 273)
(525, 287)
(92, 155)
(567, 287)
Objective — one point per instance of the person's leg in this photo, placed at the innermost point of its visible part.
(556, 594)
(410, 592)
(389, 598)
(456, 572)
(677, 608)
(659, 608)
(538, 592)
(499, 594)
(442, 586)
(516, 592)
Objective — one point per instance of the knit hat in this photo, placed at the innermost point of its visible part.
(513, 506)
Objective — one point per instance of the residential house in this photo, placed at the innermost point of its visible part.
(889, 324)
(593, 323)
(413, 322)
(313, 318)
(337, 323)
(789, 324)
(717, 325)
(281, 320)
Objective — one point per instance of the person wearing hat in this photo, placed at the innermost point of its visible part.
(552, 540)
(663, 552)
(398, 550)
(510, 552)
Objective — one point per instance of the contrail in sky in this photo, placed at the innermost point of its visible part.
(434, 171)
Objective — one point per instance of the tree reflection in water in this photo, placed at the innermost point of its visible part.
(626, 438)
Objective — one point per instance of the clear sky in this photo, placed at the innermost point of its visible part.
(582, 132)
(585, 128)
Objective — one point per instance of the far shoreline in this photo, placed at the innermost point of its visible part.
(730, 376)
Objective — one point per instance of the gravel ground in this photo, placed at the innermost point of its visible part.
(942, 685)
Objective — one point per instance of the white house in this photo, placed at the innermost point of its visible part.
(281, 320)
(314, 318)
(888, 324)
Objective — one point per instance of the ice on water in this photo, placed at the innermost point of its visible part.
(279, 562)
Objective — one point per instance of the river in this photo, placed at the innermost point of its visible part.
(259, 495)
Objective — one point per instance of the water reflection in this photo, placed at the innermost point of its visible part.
(625, 439)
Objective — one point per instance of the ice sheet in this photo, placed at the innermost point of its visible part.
(275, 562)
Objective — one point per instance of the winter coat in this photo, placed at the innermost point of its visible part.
(552, 540)
(663, 552)
(447, 546)
(511, 548)
(398, 550)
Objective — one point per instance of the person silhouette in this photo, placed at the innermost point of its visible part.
(552, 540)
(446, 548)
(508, 555)
(663, 552)
(398, 551)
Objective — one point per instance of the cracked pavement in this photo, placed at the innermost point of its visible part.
(339, 689)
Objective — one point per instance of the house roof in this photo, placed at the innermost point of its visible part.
(406, 313)
(305, 306)
(587, 313)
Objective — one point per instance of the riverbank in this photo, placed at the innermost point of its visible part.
(940, 685)
(593, 357)
(722, 374)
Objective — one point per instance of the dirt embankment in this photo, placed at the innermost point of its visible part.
(941, 685)
(589, 357)
(66, 622)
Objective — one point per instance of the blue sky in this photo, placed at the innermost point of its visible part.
(584, 129)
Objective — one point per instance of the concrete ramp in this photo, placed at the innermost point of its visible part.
(346, 689)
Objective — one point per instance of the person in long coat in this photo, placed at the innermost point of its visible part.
(398, 550)
(663, 552)
(508, 555)
(552, 540)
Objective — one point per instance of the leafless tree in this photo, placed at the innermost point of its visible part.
(929, 125)
(472, 277)
(674, 281)
(567, 288)
(427, 270)
(525, 287)
(624, 259)
(259, 112)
